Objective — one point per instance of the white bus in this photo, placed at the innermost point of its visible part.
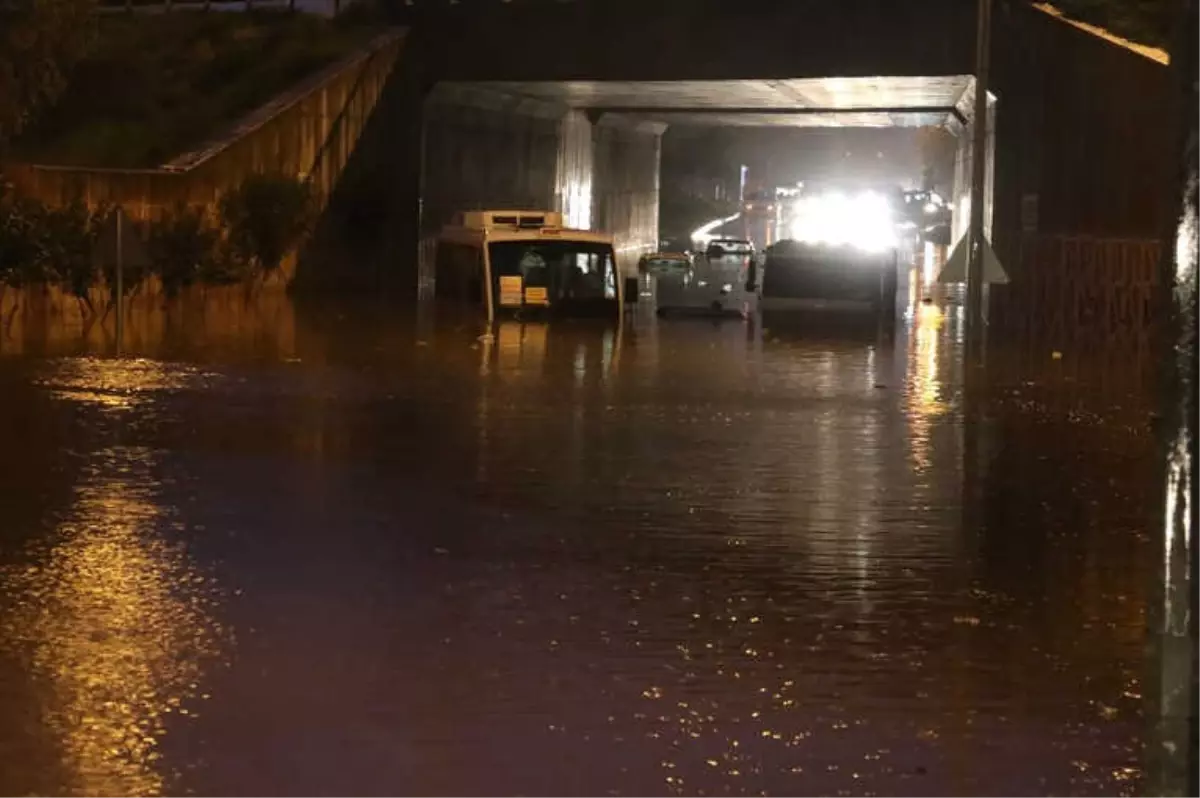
(525, 263)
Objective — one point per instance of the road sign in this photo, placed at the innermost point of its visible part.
(955, 270)
(119, 244)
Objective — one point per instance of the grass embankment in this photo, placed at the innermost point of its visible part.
(157, 85)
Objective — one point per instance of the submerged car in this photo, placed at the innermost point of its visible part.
(724, 285)
(660, 263)
(719, 248)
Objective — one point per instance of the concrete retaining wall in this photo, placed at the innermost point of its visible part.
(43, 321)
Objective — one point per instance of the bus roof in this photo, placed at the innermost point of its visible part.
(478, 226)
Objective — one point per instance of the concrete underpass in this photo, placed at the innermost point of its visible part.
(500, 118)
(591, 148)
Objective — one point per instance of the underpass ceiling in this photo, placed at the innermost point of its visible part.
(754, 118)
(808, 102)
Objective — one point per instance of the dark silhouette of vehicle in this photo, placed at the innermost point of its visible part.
(803, 279)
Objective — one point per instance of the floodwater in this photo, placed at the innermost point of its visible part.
(344, 551)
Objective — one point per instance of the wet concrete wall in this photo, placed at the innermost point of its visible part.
(626, 186)
(1080, 193)
(43, 320)
(488, 150)
(1081, 135)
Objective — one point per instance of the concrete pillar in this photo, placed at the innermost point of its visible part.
(576, 164)
(1171, 684)
(962, 185)
(989, 181)
(962, 176)
(626, 179)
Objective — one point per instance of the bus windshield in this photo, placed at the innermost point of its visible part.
(569, 271)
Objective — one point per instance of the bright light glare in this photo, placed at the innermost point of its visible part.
(702, 235)
(864, 221)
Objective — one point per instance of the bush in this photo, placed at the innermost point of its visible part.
(68, 235)
(183, 248)
(21, 240)
(265, 217)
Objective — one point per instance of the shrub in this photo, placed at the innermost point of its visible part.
(183, 248)
(225, 268)
(68, 235)
(265, 217)
(22, 260)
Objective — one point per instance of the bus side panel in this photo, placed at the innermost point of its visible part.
(485, 275)
(458, 272)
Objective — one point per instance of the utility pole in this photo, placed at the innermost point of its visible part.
(120, 282)
(1171, 749)
(983, 52)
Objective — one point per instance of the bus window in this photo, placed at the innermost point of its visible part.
(571, 271)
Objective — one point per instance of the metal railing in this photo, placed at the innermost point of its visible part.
(324, 8)
(1092, 294)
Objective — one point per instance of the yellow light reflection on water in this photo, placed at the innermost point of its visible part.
(930, 264)
(114, 622)
(116, 626)
(925, 387)
(120, 384)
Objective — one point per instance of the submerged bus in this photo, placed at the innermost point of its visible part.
(526, 264)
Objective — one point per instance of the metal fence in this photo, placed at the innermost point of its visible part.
(1091, 300)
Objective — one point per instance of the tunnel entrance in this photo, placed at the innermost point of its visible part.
(592, 149)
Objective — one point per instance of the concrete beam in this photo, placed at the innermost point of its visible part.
(757, 40)
(657, 111)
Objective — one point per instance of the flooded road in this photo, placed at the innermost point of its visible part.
(347, 552)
